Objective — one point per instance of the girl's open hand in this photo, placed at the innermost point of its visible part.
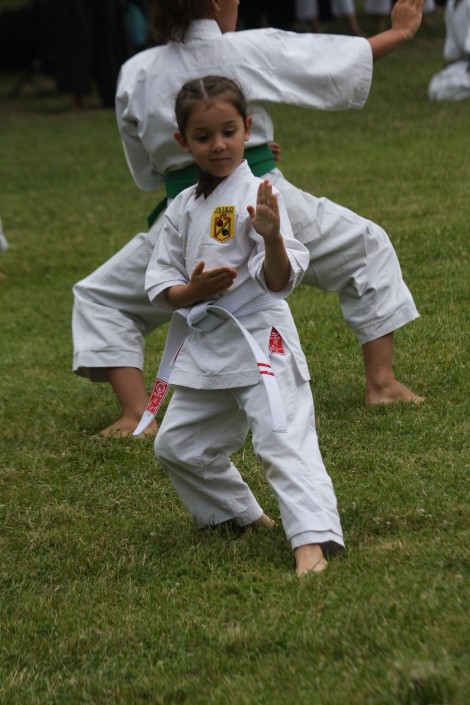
(205, 284)
(265, 217)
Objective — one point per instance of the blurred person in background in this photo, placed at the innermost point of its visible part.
(308, 12)
(254, 14)
(3, 240)
(80, 43)
(91, 45)
(453, 82)
(3, 245)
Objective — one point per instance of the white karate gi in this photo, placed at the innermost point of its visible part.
(453, 82)
(348, 254)
(218, 392)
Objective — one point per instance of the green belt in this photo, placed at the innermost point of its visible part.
(260, 160)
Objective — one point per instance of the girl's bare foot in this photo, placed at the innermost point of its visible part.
(309, 559)
(124, 427)
(390, 392)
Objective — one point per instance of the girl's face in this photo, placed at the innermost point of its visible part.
(215, 136)
(226, 14)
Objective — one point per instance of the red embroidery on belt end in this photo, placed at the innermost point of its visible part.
(275, 342)
(159, 391)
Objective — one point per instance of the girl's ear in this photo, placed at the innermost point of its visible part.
(249, 122)
(181, 141)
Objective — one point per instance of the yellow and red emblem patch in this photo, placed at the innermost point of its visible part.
(223, 223)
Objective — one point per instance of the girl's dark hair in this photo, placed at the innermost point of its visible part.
(203, 89)
(170, 19)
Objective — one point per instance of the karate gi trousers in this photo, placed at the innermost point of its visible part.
(202, 428)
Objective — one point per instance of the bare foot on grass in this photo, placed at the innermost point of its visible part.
(381, 385)
(263, 522)
(391, 392)
(125, 427)
(309, 559)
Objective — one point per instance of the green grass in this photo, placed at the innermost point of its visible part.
(109, 595)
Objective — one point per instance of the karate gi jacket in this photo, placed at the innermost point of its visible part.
(218, 230)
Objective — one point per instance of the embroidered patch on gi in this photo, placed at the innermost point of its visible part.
(223, 223)
(275, 343)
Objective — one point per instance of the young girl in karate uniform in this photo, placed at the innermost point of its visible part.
(217, 247)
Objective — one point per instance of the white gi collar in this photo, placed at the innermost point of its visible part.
(201, 29)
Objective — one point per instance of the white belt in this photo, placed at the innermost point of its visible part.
(206, 316)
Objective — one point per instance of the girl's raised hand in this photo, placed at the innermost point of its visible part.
(265, 217)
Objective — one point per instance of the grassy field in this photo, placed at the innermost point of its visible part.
(109, 594)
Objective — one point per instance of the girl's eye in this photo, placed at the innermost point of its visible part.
(229, 133)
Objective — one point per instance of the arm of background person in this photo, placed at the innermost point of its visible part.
(137, 157)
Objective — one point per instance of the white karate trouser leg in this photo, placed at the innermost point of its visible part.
(112, 312)
(199, 432)
(352, 256)
(452, 83)
(292, 461)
